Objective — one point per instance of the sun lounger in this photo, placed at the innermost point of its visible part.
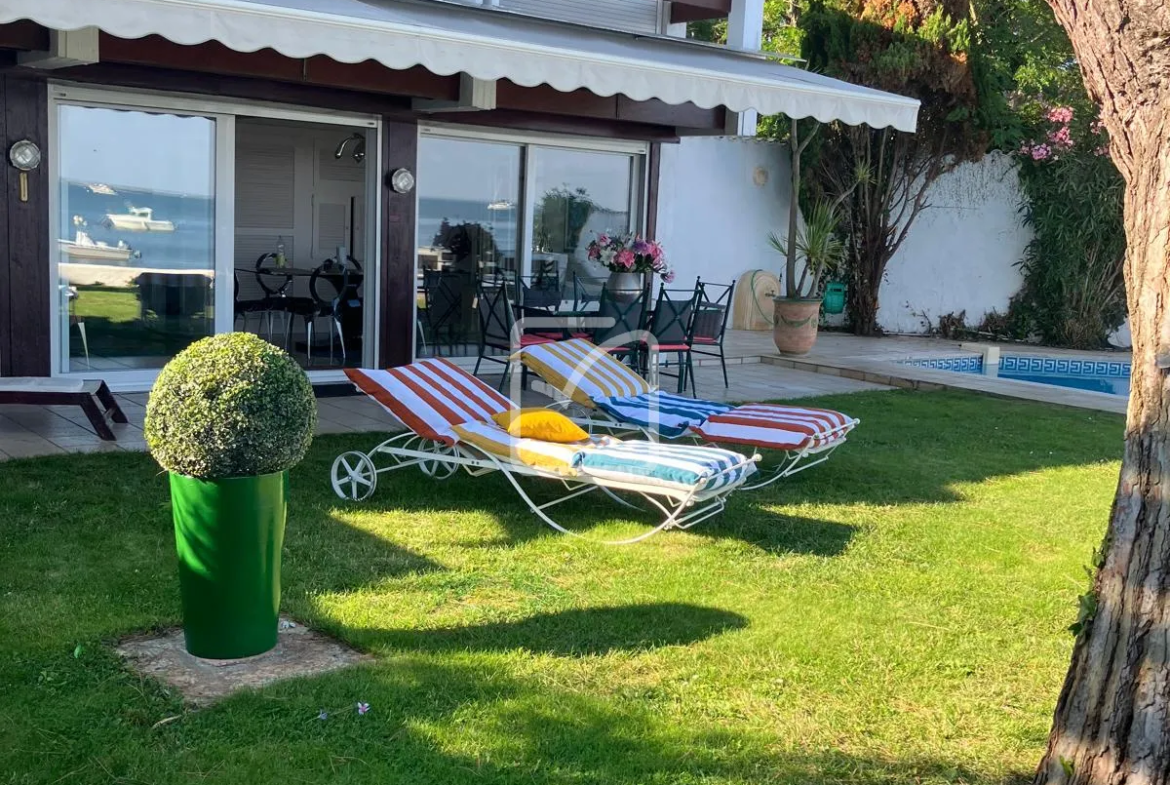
(449, 416)
(93, 396)
(614, 399)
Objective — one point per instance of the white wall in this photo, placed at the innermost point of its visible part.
(960, 255)
(961, 252)
(714, 216)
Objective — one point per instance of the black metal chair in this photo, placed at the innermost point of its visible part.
(712, 309)
(498, 328)
(624, 338)
(253, 301)
(335, 293)
(586, 291)
(542, 291)
(443, 296)
(670, 331)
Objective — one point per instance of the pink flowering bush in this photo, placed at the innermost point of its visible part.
(629, 253)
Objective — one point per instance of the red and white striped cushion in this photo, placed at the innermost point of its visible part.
(776, 427)
(430, 397)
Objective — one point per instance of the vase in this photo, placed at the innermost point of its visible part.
(624, 287)
(228, 534)
(795, 328)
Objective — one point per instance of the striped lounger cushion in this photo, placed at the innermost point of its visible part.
(777, 427)
(672, 466)
(494, 440)
(430, 397)
(582, 371)
(663, 413)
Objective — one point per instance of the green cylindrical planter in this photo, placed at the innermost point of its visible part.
(229, 534)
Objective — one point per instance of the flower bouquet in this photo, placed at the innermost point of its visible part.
(629, 253)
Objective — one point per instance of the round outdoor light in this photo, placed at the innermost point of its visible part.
(25, 155)
(402, 181)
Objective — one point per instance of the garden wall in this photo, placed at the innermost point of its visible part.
(961, 253)
(719, 198)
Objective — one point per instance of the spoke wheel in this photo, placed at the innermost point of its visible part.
(354, 476)
(438, 469)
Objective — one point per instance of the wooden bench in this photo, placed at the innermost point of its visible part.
(93, 396)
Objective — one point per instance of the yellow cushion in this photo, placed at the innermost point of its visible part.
(543, 424)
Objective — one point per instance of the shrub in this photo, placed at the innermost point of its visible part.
(231, 405)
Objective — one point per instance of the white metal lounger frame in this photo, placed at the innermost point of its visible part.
(792, 462)
(355, 476)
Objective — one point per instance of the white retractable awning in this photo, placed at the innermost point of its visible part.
(486, 44)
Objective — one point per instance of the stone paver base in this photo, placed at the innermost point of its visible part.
(299, 652)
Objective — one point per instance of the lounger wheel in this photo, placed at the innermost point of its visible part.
(437, 469)
(354, 476)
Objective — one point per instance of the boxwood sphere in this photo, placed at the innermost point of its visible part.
(231, 405)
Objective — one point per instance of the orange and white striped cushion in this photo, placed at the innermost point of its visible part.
(776, 427)
(430, 397)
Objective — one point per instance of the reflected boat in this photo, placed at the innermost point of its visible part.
(501, 204)
(84, 247)
(138, 219)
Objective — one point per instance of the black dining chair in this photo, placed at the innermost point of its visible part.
(670, 332)
(443, 296)
(335, 293)
(712, 309)
(499, 330)
(623, 339)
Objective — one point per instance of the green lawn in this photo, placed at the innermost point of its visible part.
(897, 615)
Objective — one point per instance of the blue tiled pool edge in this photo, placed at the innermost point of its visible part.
(1110, 377)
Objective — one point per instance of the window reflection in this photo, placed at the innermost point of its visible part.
(468, 228)
(136, 240)
(578, 195)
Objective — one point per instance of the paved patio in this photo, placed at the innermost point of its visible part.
(840, 363)
(27, 431)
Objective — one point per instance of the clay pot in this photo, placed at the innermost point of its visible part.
(794, 330)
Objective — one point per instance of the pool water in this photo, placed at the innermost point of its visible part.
(1105, 376)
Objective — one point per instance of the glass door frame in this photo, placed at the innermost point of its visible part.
(224, 112)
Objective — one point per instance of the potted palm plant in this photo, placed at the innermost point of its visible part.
(798, 312)
(228, 417)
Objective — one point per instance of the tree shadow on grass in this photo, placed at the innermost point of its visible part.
(568, 633)
(472, 720)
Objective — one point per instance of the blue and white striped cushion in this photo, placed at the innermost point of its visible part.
(667, 465)
(661, 412)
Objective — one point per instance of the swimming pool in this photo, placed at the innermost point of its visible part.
(1106, 376)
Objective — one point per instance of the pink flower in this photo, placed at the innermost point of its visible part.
(603, 238)
(1102, 150)
(625, 258)
(1041, 152)
(1061, 138)
(656, 251)
(1097, 126)
(668, 276)
(362, 708)
(594, 251)
(1060, 114)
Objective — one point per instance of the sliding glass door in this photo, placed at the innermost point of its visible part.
(151, 250)
(135, 245)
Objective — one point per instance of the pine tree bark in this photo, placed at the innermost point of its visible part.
(1112, 721)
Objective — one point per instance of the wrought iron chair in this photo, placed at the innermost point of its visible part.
(672, 323)
(498, 328)
(712, 309)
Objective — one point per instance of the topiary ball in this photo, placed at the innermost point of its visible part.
(231, 405)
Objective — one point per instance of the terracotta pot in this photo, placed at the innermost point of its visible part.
(794, 330)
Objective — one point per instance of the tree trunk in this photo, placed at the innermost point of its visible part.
(1112, 721)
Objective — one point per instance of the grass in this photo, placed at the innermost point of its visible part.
(115, 328)
(897, 615)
